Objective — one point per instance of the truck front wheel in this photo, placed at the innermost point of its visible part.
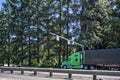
(65, 67)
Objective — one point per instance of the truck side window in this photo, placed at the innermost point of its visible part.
(76, 59)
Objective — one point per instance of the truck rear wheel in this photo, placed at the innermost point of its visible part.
(92, 68)
(86, 67)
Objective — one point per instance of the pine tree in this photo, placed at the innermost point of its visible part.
(113, 23)
(92, 16)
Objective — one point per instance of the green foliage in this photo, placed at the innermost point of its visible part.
(26, 24)
(51, 63)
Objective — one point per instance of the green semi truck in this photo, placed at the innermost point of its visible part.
(94, 59)
(74, 61)
(91, 59)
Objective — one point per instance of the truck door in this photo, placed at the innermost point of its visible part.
(76, 59)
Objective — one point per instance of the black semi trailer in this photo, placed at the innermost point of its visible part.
(102, 59)
(94, 59)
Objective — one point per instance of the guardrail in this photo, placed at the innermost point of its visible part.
(68, 71)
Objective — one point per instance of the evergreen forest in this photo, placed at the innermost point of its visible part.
(25, 27)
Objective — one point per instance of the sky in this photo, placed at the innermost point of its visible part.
(1, 1)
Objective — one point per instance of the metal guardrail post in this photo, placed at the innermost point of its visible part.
(2, 71)
(51, 74)
(94, 77)
(35, 73)
(11, 71)
(22, 72)
(70, 75)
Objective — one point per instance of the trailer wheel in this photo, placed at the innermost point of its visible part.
(65, 67)
(86, 67)
(92, 68)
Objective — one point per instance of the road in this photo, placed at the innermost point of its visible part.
(45, 76)
(4, 76)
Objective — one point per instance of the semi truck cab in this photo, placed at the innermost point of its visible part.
(75, 60)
